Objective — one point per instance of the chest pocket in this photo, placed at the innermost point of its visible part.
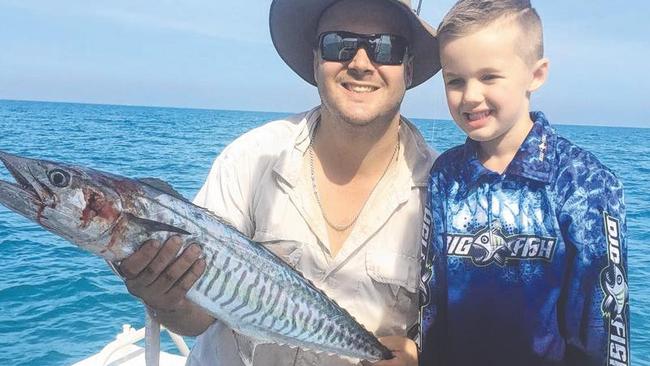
(393, 269)
(396, 274)
(278, 226)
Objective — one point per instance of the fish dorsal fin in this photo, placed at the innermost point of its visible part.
(162, 186)
(153, 226)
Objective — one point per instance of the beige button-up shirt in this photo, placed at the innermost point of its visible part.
(261, 184)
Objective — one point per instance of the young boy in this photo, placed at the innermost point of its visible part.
(525, 261)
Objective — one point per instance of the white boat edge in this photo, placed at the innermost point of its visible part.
(124, 351)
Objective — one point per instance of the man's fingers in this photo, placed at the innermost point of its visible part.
(404, 349)
(183, 285)
(176, 269)
(165, 256)
(395, 343)
(132, 265)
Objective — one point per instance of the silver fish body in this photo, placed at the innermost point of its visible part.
(244, 284)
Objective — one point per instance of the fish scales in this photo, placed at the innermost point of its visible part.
(244, 284)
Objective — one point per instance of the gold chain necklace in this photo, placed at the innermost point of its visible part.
(315, 188)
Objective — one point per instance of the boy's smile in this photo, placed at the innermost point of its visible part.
(488, 84)
(477, 119)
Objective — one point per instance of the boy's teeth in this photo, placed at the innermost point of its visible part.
(477, 116)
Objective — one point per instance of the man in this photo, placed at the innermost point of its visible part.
(337, 192)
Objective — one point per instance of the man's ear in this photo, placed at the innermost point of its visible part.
(408, 71)
(315, 64)
(540, 74)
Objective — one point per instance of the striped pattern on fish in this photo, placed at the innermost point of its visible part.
(244, 284)
(267, 299)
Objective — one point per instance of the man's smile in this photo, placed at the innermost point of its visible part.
(359, 88)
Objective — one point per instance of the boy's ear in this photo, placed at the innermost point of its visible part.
(540, 73)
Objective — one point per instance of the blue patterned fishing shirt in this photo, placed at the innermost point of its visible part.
(528, 267)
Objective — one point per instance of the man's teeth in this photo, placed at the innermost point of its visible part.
(477, 116)
(360, 89)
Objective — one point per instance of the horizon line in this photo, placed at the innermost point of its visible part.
(262, 111)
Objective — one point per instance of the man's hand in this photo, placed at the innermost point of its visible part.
(159, 277)
(404, 349)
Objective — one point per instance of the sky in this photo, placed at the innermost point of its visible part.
(219, 55)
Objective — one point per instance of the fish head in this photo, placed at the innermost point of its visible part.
(73, 202)
(486, 244)
(615, 284)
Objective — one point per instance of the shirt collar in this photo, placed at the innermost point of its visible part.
(534, 159)
(417, 156)
(287, 167)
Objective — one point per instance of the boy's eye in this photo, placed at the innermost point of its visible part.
(490, 77)
(455, 82)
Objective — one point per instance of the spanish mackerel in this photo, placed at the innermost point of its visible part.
(244, 284)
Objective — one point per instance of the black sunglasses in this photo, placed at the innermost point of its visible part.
(383, 49)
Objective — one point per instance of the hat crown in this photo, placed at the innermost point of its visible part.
(407, 3)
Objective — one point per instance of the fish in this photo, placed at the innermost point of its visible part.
(615, 285)
(244, 284)
(490, 244)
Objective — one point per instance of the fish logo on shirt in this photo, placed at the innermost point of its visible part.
(616, 290)
(490, 245)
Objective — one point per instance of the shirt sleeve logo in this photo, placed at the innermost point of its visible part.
(426, 258)
(490, 245)
(613, 281)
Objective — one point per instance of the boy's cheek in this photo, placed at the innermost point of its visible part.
(453, 100)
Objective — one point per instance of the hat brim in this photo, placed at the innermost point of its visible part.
(293, 26)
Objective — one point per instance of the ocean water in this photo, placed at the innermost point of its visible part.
(59, 304)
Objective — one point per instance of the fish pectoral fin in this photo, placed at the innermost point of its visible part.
(246, 347)
(153, 226)
(162, 186)
(607, 304)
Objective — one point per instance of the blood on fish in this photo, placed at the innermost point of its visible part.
(97, 206)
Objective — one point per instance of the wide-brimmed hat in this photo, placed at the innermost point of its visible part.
(294, 23)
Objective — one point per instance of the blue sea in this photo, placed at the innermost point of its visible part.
(59, 304)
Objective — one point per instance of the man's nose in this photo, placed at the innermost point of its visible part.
(361, 63)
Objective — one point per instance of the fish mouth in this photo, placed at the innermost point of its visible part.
(27, 196)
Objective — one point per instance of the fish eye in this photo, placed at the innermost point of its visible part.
(619, 279)
(484, 240)
(59, 178)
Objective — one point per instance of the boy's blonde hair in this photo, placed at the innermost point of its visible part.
(468, 16)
